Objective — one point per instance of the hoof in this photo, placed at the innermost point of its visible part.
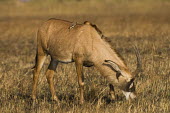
(81, 102)
(34, 103)
(55, 98)
(112, 97)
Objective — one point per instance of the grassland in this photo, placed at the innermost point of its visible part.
(145, 24)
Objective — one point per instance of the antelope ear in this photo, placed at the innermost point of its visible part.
(113, 65)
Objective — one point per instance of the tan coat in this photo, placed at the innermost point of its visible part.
(82, 44)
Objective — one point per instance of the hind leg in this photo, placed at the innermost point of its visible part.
(39, 63)
(49, 75)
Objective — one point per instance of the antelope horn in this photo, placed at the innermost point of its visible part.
(139, 65)
(114, 65)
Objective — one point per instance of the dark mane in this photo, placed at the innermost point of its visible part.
(96, 28)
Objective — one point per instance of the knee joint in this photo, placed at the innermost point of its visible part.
(81, 84)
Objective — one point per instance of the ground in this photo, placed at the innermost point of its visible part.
(124, 23)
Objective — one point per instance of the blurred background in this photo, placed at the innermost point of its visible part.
(144, 23)
(101, 12)
(82, 7)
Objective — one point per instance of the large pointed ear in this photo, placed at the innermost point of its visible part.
(113, 65)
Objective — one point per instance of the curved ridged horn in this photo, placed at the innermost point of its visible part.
(113, 65)
(139, 65)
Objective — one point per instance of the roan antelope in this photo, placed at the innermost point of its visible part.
(84, 45)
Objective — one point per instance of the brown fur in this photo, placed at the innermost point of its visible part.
(83, 45)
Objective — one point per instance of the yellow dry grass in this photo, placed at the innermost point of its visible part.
(145, 24)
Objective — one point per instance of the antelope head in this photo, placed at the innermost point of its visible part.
(125, 79)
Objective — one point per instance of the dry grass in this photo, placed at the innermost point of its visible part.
(148, 29)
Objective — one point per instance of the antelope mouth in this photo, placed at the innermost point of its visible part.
(129, 95)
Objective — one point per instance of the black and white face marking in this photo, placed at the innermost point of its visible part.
(124, 80)
(129, 95)
(129, 91)
(130, 87)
